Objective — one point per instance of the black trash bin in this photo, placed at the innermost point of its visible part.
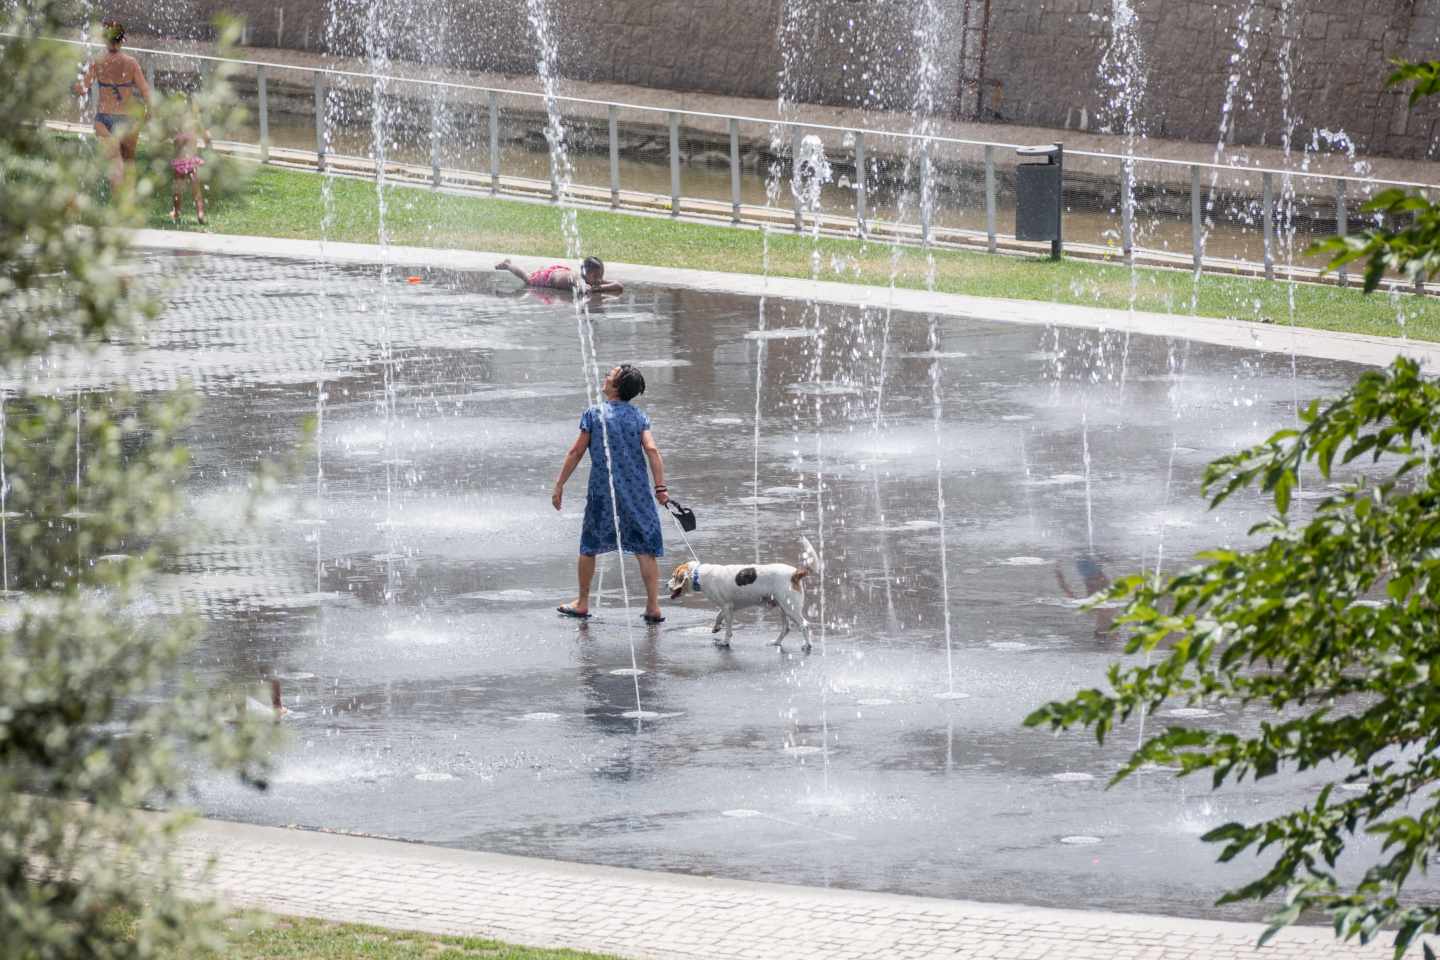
(1038, 196)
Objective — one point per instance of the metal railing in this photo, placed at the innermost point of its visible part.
(1224, 205)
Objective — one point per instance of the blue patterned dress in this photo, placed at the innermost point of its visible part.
(639, 518)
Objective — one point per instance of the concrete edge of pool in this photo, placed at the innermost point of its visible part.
(640, 914)
(1320, 344)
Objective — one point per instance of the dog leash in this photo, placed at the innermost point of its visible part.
(675, 515)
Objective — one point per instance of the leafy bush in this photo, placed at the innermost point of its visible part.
(95, 722)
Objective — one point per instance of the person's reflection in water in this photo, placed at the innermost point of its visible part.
(610, 695)
(1087, 565)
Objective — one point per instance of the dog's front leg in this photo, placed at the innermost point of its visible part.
(719, 621)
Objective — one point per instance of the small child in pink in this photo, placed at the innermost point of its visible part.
(187, 162)
(560, 277)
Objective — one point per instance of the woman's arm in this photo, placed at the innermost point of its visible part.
(82, 86)
(657, 466)
(142, 83)
(572, 460)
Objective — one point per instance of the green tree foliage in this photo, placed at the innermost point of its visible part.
(95, 721)
(1328, 631)
(1407, 243)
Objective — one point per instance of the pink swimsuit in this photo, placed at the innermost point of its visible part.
(543, 276)
(185, 166)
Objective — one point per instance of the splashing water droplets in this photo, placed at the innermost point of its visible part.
(562, 175)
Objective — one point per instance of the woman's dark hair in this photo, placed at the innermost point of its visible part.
(592, 263)
(629, 383)
(114, 31)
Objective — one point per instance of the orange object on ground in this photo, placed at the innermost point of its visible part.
(412, 279)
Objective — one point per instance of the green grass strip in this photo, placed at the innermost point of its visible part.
(288, 203)
(259, 936)
(303, 939)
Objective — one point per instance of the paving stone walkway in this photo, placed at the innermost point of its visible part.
(644, 915)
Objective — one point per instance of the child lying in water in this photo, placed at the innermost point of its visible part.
(560, 277)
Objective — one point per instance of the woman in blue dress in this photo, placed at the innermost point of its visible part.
(625, 429)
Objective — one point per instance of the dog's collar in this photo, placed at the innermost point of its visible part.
(695, 578)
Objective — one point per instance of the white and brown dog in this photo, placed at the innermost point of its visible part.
(734, 586)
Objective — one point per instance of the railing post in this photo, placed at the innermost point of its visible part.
(1420, 277)
(1057, 246)
(554, 174)
(435, 144)
(494, 143)
(797, 134)
(1342, 226)
(1195, 233)
(990, 241)
(861, 195)
(1267, 201)
(321, 134)
(262, 84)
(674, 163)
(927, 193)
(614, 156)
(734, 170)
(1127, 209)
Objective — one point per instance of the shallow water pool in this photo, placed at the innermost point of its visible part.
(404, 586)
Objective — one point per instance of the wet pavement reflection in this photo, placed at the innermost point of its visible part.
(403, 586)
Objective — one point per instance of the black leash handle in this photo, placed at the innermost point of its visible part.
(683, 516)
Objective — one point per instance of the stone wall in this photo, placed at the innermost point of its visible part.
(1042, 57)
(1047, 55)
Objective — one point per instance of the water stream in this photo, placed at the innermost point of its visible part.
(562, 175)
(1122, 72)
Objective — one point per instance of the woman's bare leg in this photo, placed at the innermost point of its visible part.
(650, 574)
(584, 573)
(114, 163)
(128, 145)
(175, 199)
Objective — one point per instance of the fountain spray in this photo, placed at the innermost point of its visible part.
(539, 18)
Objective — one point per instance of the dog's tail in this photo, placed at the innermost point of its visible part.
(809, 559)
(809, 563)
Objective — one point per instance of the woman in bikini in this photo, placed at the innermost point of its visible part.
(117, 121)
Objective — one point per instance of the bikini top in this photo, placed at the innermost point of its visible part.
(117, 87)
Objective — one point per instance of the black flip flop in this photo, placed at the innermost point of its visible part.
(567, 610)
(651, 619)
